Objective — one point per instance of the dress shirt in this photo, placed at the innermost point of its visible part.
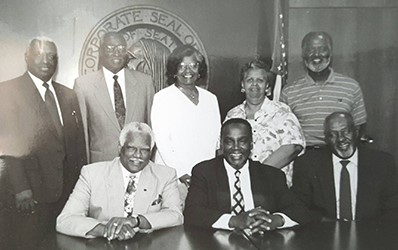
(126, 179)
(245, 183)
(121, 79)
(42, 90)
(352, 168)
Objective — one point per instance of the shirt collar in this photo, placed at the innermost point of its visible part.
(352, 159)
(330, 78)
(109, 75)
(126, 173)
(39, 83)
(265, 107)
(231, 169)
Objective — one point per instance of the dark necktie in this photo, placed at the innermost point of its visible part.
(129, 196)
(238, 204)
(345, 192)
(120, 110)
(51, 105)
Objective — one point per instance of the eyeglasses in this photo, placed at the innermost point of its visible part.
(115, 49)
(191, 66)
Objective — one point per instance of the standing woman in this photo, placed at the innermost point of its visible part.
(277, 135)
(185, 118)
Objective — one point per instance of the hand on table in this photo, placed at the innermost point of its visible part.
(24, 201)
(264, 221)
(120, 228)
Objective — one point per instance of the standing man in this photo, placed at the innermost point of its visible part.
(322, 91)
(111, 97)
(343, 181)
(42, 134)
(233, 192)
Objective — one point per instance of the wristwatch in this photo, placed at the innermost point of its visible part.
(137, 219)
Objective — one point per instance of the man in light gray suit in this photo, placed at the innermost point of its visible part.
(115, 199)
(111, 97)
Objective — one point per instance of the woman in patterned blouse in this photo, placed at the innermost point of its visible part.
(277, 135)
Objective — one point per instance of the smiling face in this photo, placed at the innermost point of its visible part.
(113, 52)
(255, 83)
(236, 144)
(42, 59)
(188, 71)
(340, 135)
(136, 151)
(317, 53)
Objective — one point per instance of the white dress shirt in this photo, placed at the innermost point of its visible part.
(110, 82)
(42, 90)
(245, 183)
(352, 168)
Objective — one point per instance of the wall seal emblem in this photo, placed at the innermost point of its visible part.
(151, 33)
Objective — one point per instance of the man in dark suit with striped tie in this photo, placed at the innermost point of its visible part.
(233, 192)
(345, 181)
(42, 144)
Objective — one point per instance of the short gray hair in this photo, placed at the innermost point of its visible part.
(40, 39)
(138, 127)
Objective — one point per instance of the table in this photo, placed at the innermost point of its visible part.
(364, 235)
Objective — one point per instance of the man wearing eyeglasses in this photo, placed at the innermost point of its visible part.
(111, 97)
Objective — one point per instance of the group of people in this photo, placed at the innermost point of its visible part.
(138, 161)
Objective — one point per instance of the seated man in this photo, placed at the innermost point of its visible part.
(114, 199)
(231, 191)
(344, 181)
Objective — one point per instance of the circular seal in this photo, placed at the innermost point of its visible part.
(151, 33)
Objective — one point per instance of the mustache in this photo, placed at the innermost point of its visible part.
(136, 159)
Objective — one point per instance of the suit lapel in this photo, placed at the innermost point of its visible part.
(257, 185)
(115, 190)
(102, 94)
(363, 184)
(146, 190)
(223, 192)
(131, 95)
(35, 101)
(326, 180)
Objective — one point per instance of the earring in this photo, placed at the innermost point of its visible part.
(198, 75)
(242, 90)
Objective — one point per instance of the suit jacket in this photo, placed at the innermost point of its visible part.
(45, 162)
(209, 195)
(377, 192)
(99, 195)
(101, 127)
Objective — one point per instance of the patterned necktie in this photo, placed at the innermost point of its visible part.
(51, 105)
(120, 110)
(345, 192)
(129, 195)
(238, 204)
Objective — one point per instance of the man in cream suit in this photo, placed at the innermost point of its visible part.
(115, 199)
(111, 97)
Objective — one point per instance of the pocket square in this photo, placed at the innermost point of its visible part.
(157, 201)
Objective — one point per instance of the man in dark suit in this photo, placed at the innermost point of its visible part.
(231, 191)
(346, 181)
(41, 131)
(112, 97)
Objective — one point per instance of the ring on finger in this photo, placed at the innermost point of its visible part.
(128, 234)
(115, 224)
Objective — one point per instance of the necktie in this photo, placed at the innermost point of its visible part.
(120, 110)
(129, 196)
(238, 204)
(51, 105)
(345, 192)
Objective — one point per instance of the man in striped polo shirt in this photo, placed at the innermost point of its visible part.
(322, 91)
